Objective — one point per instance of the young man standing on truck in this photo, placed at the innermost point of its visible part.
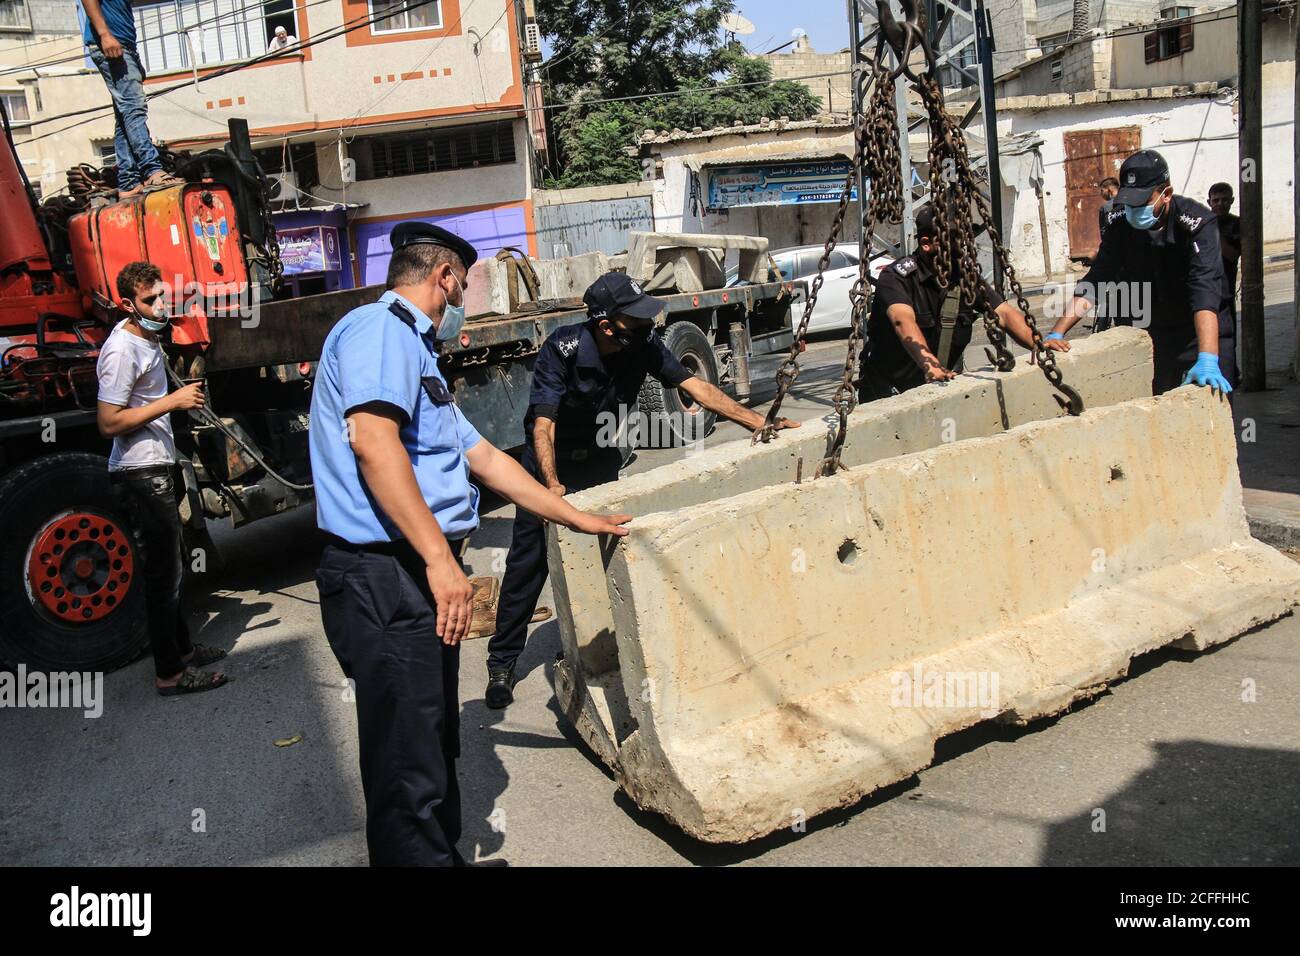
(133, 410)
(109, 34)
(584, 372)
(391, 459)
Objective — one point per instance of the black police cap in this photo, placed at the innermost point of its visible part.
(928, 228)
(615, 294)
(1139, 176)
(414, 232)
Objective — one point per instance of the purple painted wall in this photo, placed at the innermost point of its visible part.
(487, 229)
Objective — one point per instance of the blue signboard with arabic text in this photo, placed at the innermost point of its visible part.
(778, 184)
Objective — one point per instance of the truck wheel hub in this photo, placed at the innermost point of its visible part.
(80, 567)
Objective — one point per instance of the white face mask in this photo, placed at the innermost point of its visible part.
(453, 317)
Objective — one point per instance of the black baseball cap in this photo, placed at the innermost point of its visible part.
(616, 294)
(1139, 176)
(926, 227)
(415, 232)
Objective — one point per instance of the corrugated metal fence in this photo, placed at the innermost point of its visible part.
(598, 225)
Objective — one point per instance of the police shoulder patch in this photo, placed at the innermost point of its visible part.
(905, 266)
(566, 339)
(1191, 214)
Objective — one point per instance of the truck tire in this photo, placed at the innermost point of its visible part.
(71, 586)
(674, 418)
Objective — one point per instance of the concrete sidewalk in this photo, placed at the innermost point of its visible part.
(1268, 427)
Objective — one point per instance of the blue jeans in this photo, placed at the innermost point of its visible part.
(137, 158)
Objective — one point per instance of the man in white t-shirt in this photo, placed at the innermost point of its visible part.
(133, 410)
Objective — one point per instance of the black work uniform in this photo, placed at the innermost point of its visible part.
(1230, 229)
(1182, 266)
(584, 393)
(945, 321)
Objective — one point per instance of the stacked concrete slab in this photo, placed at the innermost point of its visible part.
(746, 657)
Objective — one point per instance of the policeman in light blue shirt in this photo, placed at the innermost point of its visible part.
(392, 458)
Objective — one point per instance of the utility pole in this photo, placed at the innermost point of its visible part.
(984, 50)
(1295, 123)
(1251, 173)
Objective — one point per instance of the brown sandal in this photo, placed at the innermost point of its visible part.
(205, 655)
(194, 682)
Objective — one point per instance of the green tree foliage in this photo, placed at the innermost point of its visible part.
(603, 50)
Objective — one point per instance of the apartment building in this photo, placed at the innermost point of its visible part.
(41, 40)
(378, 111)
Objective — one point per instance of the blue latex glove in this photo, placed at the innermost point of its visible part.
(1054, 335)
(1206, 372)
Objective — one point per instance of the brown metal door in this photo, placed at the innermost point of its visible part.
(1090, 156)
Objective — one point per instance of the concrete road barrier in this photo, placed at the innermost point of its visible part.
(776, 653)
(1106, 369)
(790, 650)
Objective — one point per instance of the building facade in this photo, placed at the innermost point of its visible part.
(380, 110)
(1169, 84)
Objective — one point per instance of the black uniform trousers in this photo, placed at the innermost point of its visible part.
(380, 618)
(147, 496)
(1174, 352)
(526, 562)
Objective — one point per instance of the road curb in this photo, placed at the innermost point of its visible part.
(1275, 527)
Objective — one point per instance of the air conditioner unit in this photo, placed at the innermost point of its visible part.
(532, 41)
(282, 187)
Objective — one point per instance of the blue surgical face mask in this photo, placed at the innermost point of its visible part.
(159, 322)
(453, 317)
(1141, 217)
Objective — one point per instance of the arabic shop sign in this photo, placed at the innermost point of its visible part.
(778, 184)
(309, 249)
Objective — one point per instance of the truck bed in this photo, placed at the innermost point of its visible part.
(294, 330)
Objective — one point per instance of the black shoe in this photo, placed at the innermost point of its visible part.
(500, 688)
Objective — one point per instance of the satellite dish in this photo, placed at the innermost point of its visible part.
(735, 23)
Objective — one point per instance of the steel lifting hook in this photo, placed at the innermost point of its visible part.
(1073, 401)
(1002, 360)
(903, 35)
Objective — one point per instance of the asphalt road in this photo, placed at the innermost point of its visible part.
(1186, 771)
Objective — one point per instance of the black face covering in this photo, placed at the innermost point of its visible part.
(928, 259)
(634, 338)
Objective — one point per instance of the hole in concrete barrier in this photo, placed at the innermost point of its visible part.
(1116, 472)
(848, 552)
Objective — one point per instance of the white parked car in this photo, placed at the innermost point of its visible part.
(833, 306)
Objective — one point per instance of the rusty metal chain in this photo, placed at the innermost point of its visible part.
(883, 168)
(789, 370)
(875, 150)
(953, 190)
(965, 190)
(950, 173)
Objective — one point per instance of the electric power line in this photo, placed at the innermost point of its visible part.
(73, 58)
(348, 26)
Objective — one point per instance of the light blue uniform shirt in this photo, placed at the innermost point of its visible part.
(372, 355)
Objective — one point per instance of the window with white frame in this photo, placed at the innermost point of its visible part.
(15, 103)
(106, 152)
(397, 16)
(182, 34)
(13, 15)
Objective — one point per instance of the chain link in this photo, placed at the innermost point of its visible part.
(954, 189)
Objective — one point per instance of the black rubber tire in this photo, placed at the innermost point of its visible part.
(30, 496)
(671, 405)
